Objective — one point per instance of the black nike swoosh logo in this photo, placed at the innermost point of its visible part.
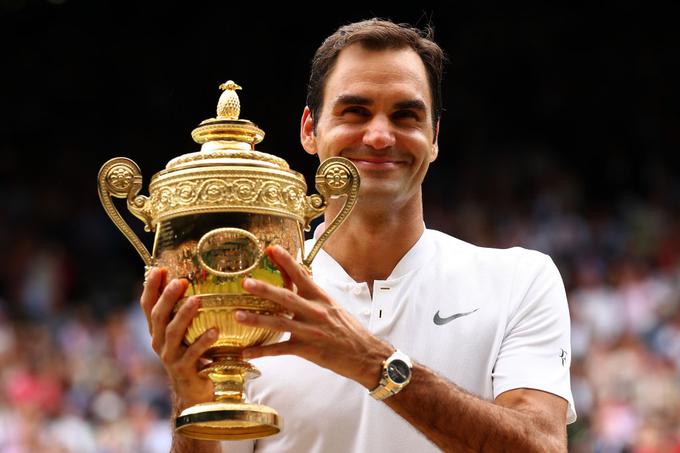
(441, 321)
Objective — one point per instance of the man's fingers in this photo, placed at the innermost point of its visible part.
(198, 347)
(164, 280)
(282, 296)
(160, 313)
(287, 282)
(279, 324)
(174, 333)
(154, 283)
(292, 269)
(150, 294)
(283, 348)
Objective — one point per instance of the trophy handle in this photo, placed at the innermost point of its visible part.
(336, 176)
(121, 178)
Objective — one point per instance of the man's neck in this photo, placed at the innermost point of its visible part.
(371, 242)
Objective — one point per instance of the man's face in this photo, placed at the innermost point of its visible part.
(377, 113)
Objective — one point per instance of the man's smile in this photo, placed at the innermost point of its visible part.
(373, 162)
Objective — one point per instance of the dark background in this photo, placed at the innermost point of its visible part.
(563, 114)
(592, 89)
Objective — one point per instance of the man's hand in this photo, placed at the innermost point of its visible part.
(321, 331)
(167, 331)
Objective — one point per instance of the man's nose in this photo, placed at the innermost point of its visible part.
(379, 134)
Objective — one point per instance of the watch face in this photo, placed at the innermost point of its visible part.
(398, 371)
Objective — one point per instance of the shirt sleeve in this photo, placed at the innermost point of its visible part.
(536, 349)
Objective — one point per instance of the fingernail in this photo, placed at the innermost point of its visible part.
(240, 316)
(212, 333)
(177, 284)
(249, 283)
(150, 275)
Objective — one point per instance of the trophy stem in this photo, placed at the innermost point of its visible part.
(227, 389)
(229, 374)
(229, 416)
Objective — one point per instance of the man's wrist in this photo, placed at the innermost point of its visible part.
(373, 364)
(181, 403)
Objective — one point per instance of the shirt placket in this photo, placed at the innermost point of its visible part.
(382, 307)
(361, 299)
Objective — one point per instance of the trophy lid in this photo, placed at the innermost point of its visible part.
(227, 139)
(226, 175)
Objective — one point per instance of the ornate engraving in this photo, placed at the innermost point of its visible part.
(294, 198)
(337, 176)
(186, 192)
(272, 194)
(245, 190)
(212, 191)
(196, 193)
(120, 178)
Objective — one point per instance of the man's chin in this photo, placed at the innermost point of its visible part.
(380, 193)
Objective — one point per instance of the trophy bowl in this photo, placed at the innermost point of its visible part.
(214, 213)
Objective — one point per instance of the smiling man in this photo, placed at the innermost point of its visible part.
(406, 339)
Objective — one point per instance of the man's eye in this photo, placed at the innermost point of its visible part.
(405, 114)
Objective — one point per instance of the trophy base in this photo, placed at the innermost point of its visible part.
(221, 420)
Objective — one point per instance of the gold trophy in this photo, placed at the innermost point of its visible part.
(214, 212)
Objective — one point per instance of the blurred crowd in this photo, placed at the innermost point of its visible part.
(77, 373)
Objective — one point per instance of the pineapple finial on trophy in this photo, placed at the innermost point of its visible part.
(229, 107)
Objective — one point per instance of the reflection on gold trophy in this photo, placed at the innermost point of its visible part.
(213, 213)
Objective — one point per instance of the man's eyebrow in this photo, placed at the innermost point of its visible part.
(415, 104)
(352, 99)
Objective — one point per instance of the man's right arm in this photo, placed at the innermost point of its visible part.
(181, 362)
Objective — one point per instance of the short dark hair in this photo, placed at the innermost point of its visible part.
(377, 34)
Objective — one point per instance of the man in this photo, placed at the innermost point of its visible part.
(476, 340)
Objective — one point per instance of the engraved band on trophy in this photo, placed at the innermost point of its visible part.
(213, 213)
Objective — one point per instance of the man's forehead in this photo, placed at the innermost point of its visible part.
(359, 71)
(360, 61)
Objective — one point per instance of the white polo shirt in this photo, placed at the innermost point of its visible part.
(502, 323)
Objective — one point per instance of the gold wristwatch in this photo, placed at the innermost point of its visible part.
(396, 374)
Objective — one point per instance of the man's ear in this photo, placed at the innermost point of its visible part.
(435, 144)
(307, 135)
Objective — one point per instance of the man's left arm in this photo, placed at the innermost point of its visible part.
(322, 332)
(522, 420)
